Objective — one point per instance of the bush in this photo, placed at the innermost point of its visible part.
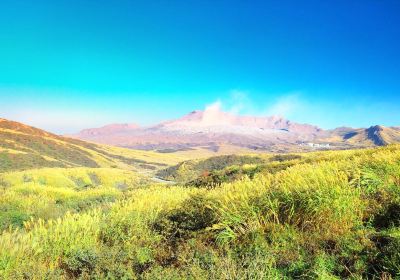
(386, 258)
(79, 261)
(390, 217)
(194, 215)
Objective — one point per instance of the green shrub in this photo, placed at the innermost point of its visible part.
(194, 215)
(386, 258)
(390, 217)
(79, 261)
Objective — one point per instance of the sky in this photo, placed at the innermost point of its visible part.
(66, 65)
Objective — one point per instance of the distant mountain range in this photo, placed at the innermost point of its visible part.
(214, 128)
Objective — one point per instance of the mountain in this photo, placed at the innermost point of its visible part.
(373, 136)
(214, 128)
(25, 147)
(214, 121)
(108, 129)
(207, 128)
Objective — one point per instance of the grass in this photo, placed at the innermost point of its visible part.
(50, 193)
(326, 215)
(187, 170)
(23, 147)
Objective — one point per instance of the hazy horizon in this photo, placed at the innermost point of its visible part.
(70, 65)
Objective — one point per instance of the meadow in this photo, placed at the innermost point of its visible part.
(323, 215)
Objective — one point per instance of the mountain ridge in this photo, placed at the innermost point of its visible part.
(215, 127)
(110, 128)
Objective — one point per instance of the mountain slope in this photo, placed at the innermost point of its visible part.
(107, 129)
(24, 147)
(373, 136)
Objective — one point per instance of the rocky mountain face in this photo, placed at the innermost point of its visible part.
(376, 135)
(214, 127)
(215, 120)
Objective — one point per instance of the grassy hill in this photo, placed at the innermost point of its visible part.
(326, 215)
(214, 171)
(23, 147)
(188, 170)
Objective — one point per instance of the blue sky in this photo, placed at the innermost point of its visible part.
(72, 64)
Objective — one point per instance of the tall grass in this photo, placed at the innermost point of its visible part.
(333, 215)
(50, 193)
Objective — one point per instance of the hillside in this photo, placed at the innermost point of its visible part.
(26, 147)
(191, 169)
(108, 129)
(364, 137)
(214, 171)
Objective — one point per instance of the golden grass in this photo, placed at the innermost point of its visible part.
(319, 219)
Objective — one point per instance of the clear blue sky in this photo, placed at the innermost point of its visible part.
(70, 64)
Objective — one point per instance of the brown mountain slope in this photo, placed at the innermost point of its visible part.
(373, 136)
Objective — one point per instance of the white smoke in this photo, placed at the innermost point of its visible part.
(213, 114)
(285, 106)
(239, 103)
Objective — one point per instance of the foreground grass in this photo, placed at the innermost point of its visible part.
(333, 216)
(49, 193)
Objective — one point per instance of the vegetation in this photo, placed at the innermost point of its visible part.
(327, 215)
(245, 167)
(187, 170)
(52, 192)
(23, 147)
